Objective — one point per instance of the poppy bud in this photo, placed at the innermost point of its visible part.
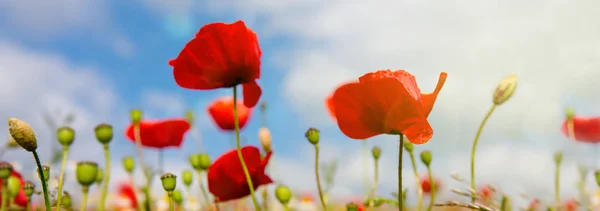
(187, 177)
(29, 188)
(65, 136)
(104, 133)
(66, 199)
(597, 177)
(100, 176)
(506, 206)
(312, 135)
(283, 194)
(11, 142)
(558, 156)
(169, 182)
(86, 173)
(14, 185)
(22, 133)
(408, 146)
(426, 157)
(200, 161)
(177, 197)
(264, 135)
(5, 170)
(46, 171)
(505, 89)
(351, 207)
(128, 164)
(570, 113)
(376, 151)
(136, 116)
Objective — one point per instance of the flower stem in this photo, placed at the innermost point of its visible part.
(557, 185)
(4, 194)
(28, 206)
(106, 177)
(485, 119)
(286, 207)
(432, 187)
(202, 188)
(61, 179)
(318, 178)
(239, 149)
(365, 157)
(419, 188)
(400, 190)
(375, 183)
(145, 171)
(42, 180)
(137, 198)
(84, 196)
(171, 204)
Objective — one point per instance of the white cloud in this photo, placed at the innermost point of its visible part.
(166, 103)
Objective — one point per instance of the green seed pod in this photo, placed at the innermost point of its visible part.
(177, 197)
(426, 157)
(351, 207)
(136, 116)
(570, 113)
(29, 188)
(86, 173)
(558, 156)
(5, 170)
(312, 135)
(376, 152)
(200, 161)
(100, 176)
(46, 171)
(283, 194)
(66, 199)
(104, 133)
(65, 136)
(22, 133)
(187, 177)
(169, 182)
(14, 185)
(408, 146)
(129, 164)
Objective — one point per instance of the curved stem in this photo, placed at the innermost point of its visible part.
(84, 196)
(145, 171)
(4, 194)
(43, 181)
(432, 187)
(171, 204)
(485, 119)
(318, 178)
(203, 188)
(400, 190)
(239, 150)
(557, 185)
(61, 179)
(419, 188)
(106, 177)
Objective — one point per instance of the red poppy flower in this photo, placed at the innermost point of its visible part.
(226, 178)
(534, 205)
(486, 192)
(426, 184)
(21, 199)
(586, 129)
(330, 108)
(385, 102)
(221, 111)
(160, 134)
(127, 191)
(221, 56)
(571, 205)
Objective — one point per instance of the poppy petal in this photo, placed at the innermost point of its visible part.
(429, 99)
(252, 93)
(585, 129)
(330, 108)
(358, 121)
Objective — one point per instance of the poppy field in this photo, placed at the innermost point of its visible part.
(387, 102)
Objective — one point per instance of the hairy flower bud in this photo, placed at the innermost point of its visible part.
(505, 89)
(264, 135)
(22, 133)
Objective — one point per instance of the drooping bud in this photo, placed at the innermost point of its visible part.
(187, 177)
(14, 185)
(104, 133)
(169, 182)
(376, 152)
(46, 171)
(558, 156)
(570, 113)
(264, 135)
(5, 170)
(86, 173)
(177, 197)
(22, 133)
(200, 161)
(351, 207)
(312, 135)
(136, 116)
(505, 89)
(408, 146)
(283, 194)
(426, 157)
(506, 206)
(129, 164)
(29, 188)
(99, 176)
(65, 136)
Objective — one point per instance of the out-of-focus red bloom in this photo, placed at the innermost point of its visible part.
(426, 184)
(330, 108)
(586, 129)
(160, 134)
(127, 191)
(21, 199)
(221, 111)
(221, 56)
(486, 192)
(226, 179)
(385, 102)
(571, 205)
(534, 205)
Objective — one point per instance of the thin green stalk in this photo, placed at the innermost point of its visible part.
(286, 207)
(106, 177)
(202, 188)
(171, 203)
(44, 185)
(239, 149)
(400, 190)
(419, 188)
(365, 157)
(375, 183)
(431, 187)
(485, 119)
(4, 194)
(137, 198)
(557, 185)
(28, 206)
(84, 196)
(145, 171)
(61, 179)
(318, 178)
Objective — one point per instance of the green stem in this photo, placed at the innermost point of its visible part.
(400, 190)
(171, 204)
(61, 179)
(4, 194)
(375, 183)
(419, 188)
(365, 157)
(432, 187)
(28, 206)
(43, 181)
(318, 178)
(145, 171)
(137, 198)
(265, 195)
(84, 196)
(485, 119)
(106, 177)
(557, 185)
(202, 188)
(286, 207)
(239, 149)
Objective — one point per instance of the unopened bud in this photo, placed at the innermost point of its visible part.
(426, 157)
(408, 145)
(505, 89)
(66, 199)
(169, 182)
(14, 185)
(29, 188)
(46, 172)
(187, 177)
(136, 116)
(558, 156)
(351, 207)
(129, 164)
(177, 197)
(65, 136)
(22, 133)
(376, 152)
(264, 135)
(506, 206)
(86, 173)
(312, 135)
(104, 133)
(283, 194)
(189, 115)
(200, 161)
(570, 113)
(5, 170)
